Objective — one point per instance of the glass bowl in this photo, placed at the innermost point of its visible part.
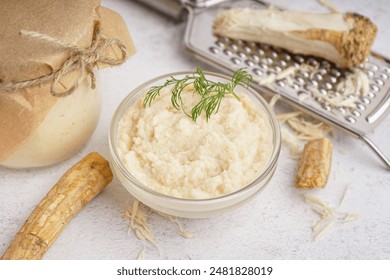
(191, 208)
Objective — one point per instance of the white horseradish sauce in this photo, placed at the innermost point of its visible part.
(167, 151)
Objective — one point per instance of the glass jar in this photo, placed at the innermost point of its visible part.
(182, 207)
(43, 57)
(64, 130)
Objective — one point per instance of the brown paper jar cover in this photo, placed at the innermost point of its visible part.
(25, 58)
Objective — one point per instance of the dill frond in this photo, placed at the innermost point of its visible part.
(211, 93)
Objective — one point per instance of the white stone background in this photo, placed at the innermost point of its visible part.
(275, 225)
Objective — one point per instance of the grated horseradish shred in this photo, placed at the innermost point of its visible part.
(138, 218)
(273, 100)
(139, 223)
(329, 216)
(346, 93)
(141, 255)
(300, 128)
(181, 230)
(292, 141)
(307, 130)
(346, 191)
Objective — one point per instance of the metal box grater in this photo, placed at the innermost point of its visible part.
(228, 55)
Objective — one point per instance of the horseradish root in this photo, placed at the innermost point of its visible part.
(314, 166)
(344, 39)
(76, 188)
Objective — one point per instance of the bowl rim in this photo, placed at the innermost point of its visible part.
(121, 110)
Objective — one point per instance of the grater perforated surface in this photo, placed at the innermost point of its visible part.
(360, 116)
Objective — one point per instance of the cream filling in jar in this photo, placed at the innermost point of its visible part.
(67, 126)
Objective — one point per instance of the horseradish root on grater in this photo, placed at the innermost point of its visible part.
(344, 39)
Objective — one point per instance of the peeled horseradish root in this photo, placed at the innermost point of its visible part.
(314, 165)
(344, 39)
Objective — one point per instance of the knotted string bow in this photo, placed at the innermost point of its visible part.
(80, 59)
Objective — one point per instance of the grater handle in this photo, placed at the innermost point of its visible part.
(176, 9)
(375, 148)
(171, 8)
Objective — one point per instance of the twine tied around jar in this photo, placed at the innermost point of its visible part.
(80, 59)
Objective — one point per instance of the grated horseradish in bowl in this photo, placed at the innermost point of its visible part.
(193, 167)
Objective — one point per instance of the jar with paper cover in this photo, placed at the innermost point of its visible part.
(49, 100)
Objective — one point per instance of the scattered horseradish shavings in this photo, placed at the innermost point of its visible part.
(345, 193)
(350, 218)
(345, 94)
(307, 130)
(181, 230)
(273, 76)
(282, 118)
(329, 216)
(297, 128)
(139, 223)
(141, 255)
(356, 82)
(335, 100)
(291, 140)
(138, 217)
(273, 101)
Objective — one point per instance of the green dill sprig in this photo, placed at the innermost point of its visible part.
(211, 93)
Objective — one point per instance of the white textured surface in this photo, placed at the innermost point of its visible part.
(275, 225)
